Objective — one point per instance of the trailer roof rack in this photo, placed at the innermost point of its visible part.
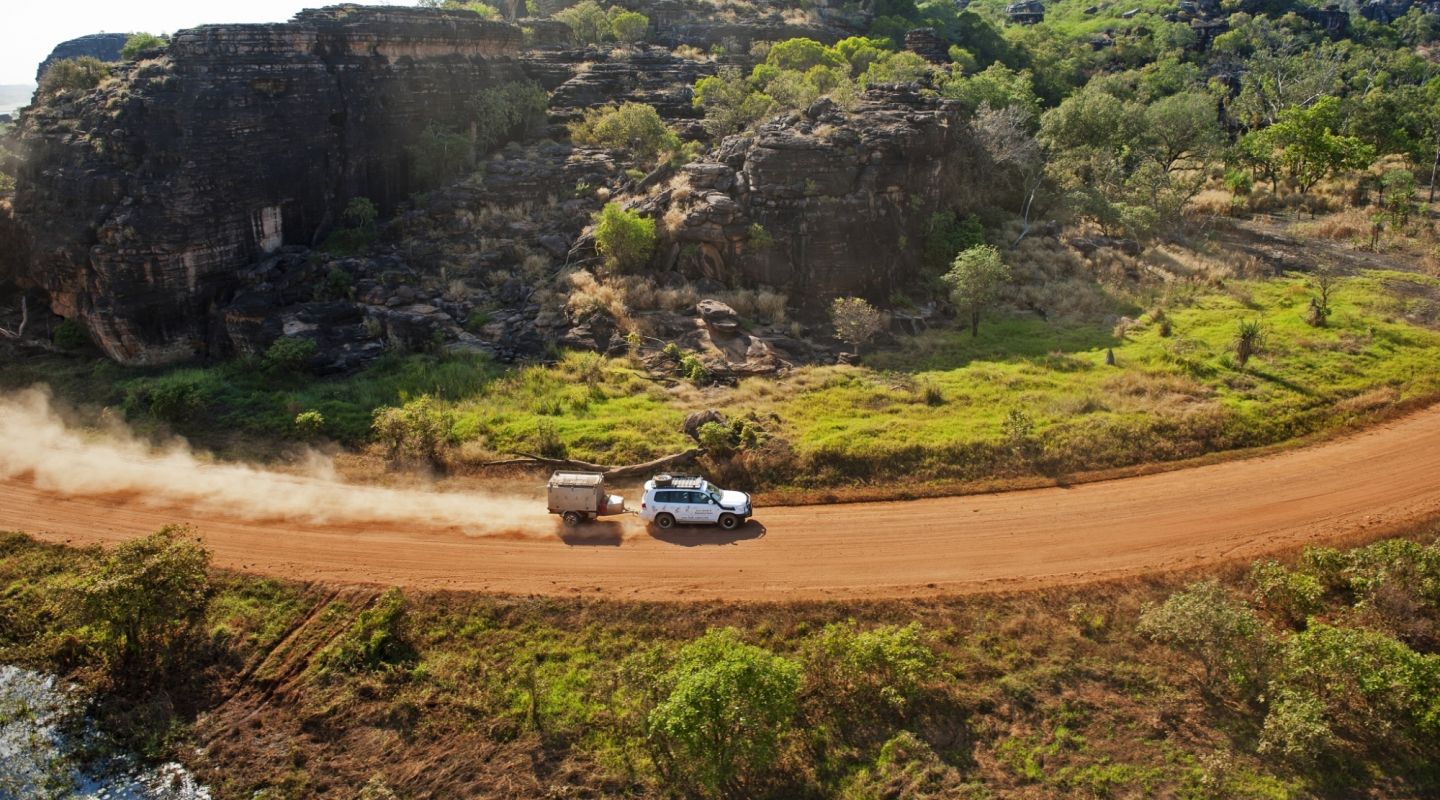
(569, 478)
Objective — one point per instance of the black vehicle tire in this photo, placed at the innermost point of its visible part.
(664, 522)
(572, 518)
(729, 522)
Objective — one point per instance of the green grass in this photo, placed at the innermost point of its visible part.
(944, 393)
(933, 408)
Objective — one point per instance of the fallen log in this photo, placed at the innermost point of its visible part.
(628, 471)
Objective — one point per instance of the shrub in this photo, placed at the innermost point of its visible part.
(629, 27)
(717, 439)
(499, 113)
(587, 20)
(947, 235)
(760, 239)
(288, 355)
(635, 128)
(624, 238)
(310, 423)
(73, 75)
(338, 284)
(1367, 679)
(145, 599)
(694, 370)
(376, 638)
(1295, 728)
(730, 103)
(439, 154)
(887, 665)
(728, 705)
(855, 320)
(1294, 596)
(175, 397)
(418, 429)
(1249, 341)
(547, 440)
(1206, 623)
(139, 43)
(70, 335)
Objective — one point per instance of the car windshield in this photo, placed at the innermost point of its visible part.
(713, 492)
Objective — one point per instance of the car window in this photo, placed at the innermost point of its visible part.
(666, 497)
(698, 497)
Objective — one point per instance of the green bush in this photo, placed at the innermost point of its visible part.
(946, 236)
(140, 42)
(717, 439)
(145, 600)
(624, 238)
(70, 335)
(635, 128)
(338, 284)
(288, 355)
(1205, 622)
(588, 21)
(439, 154)
(630, 27)
(694, 370)
(1295, 728)
(887, 666)
(1294, 596)
(728, 706)
(500, 113)
(1366, 679)
(376, 639)
(310, 423)
(73, 75)
(419, 429)
(176, 397)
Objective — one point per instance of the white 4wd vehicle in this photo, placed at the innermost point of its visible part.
(692, 501)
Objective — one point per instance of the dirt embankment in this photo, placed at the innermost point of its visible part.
(1381, 479)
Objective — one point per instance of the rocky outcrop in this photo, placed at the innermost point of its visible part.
(828, 202)
(142, 200)
(583, 78)
(104, 46)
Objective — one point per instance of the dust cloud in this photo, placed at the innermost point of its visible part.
(36, 441)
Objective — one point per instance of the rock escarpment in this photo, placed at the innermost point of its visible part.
(141, 201)
(104, 46)
(828, 202)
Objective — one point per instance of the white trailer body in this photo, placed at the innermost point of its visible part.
(580, 496)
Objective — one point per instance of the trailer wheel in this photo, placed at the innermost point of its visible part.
(664, 522)
(729, 522)
(572, 518)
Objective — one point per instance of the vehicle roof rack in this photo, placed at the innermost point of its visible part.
(678, 481)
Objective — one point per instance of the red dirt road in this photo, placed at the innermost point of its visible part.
(1378, 480)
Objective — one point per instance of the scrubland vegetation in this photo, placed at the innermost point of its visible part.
(943, 406)
(1312, 675)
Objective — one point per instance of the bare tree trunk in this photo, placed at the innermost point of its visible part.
(19, 332)
(1434, 168)
(627, 471)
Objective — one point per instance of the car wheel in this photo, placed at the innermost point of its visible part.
(729, 522)
(572, 518)
(664, 522)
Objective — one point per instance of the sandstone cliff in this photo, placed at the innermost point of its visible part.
(104, 46)
(141, 200)
(829, 202)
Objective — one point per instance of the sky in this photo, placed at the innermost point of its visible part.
(31, 28)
